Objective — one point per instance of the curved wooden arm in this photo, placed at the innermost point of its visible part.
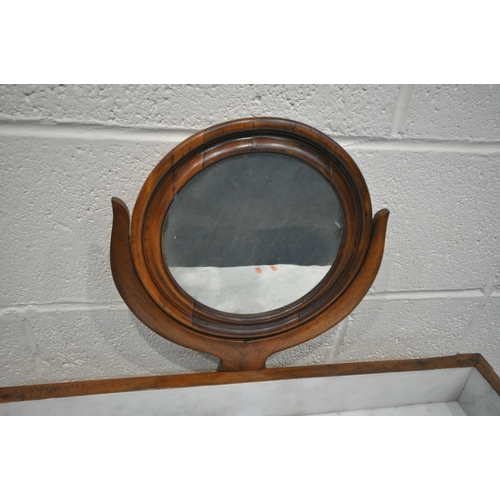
(133, 293)
(341, 308)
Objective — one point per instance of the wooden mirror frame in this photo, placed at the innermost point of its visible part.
(244, 342)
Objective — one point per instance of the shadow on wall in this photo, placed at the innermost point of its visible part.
(125, 343)
(316, 351)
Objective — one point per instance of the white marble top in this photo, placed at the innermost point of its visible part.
(453, 391)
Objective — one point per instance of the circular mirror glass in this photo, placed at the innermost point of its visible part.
(252, 233)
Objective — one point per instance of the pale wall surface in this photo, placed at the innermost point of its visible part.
(431, 154)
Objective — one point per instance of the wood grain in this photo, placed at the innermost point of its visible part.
(71, 389)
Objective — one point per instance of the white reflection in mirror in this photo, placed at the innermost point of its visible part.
(253, 233)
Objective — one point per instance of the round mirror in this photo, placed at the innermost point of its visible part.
(249, 237)
(252, 233)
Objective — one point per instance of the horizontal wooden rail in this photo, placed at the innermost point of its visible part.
(90, 387)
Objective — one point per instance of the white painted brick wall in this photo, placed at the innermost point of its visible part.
(431, 154)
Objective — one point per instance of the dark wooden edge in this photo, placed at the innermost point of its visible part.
(485, 369)
(235, 137)
(91, 387)
(164, 290)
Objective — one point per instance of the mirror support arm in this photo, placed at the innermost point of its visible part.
(342, 307)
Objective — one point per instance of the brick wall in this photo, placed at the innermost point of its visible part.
(431, 154)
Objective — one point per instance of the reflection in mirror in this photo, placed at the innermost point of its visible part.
(253, 233)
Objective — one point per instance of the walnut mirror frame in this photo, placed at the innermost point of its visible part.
(244, 341)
